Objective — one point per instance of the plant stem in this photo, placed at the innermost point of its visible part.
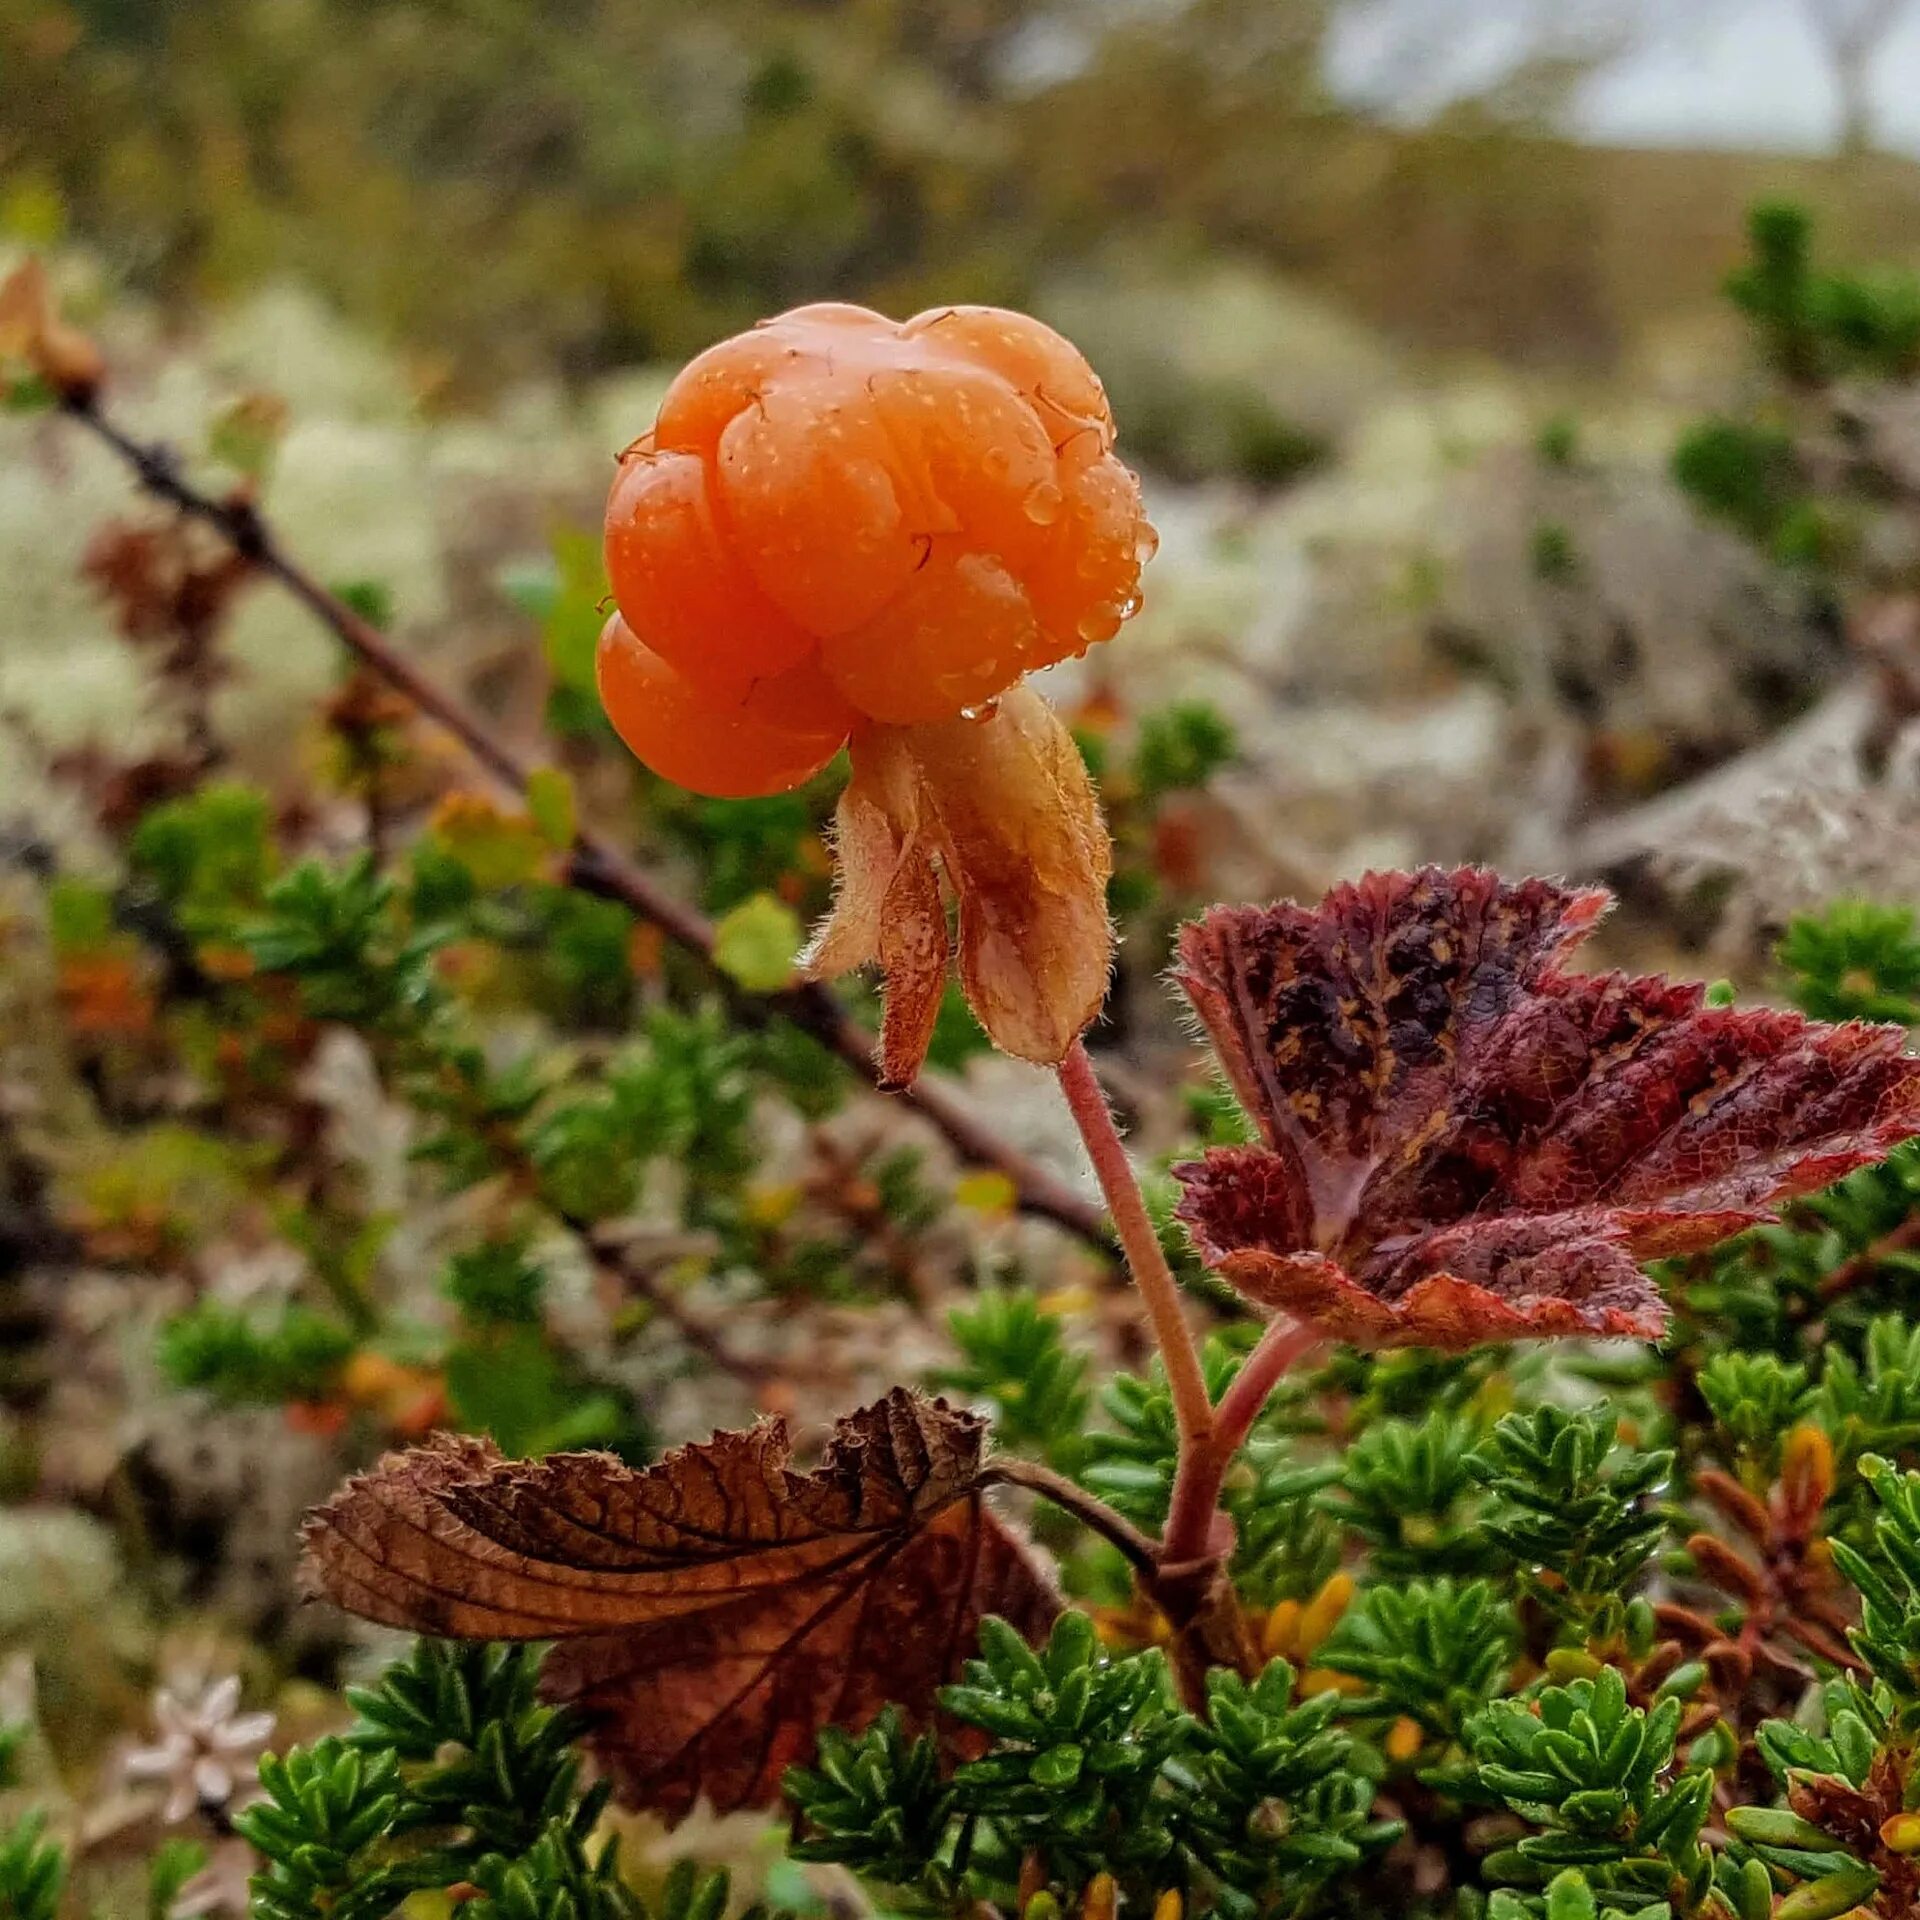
(1087, 1102)
(595, 864)
(1076, 1500)
(1203, 1469)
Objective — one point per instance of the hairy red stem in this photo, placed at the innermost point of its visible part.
(1087, 1102)
(1202, 1471)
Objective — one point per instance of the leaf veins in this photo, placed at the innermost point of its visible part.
(712, 1613)
(1461, 1142)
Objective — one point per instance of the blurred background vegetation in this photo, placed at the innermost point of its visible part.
(499, 186)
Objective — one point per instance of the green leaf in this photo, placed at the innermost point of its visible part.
(550, 800)
(755, 944)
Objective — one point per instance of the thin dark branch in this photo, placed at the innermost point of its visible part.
(596, 865)
(704, 1338)
(1863, 1265)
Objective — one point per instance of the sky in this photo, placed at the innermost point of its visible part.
(1745, 73)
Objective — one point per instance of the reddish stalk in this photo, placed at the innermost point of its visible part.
(1140, 1244)
(1203, 1469)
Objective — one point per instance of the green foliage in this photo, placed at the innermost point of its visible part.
(496, 1283)
(248, 1358)
(1433, 1651)
(1856, 960)
(1558, 441)
(1079, 1745)
(1596, 1779)
(174, 1863)
(1872, 1406)
(1744, 474)
(454, 1774)
(33, 1871)
(209, 854)
(1887, 1576)
(1553, 552)
(1408, 1489)
(1819, 324)
(755, 944)
(337, 932)
(1754, 1398)
(1014, 1355)
(1277, 1798)
(326, 1808)
(1092, 1766)
(1570, 1502)
(878, 1804)
(1181, 747)
(80, 916)
(510, 1383)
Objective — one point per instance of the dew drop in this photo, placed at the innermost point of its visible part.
(1129, 606)
(997, 463)
(983, 710)
(1146, 545)
(1043, 503)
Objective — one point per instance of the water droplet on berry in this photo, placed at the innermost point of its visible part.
(1129, 606)
(984, 710)
(1043, 503)
(1146, 545)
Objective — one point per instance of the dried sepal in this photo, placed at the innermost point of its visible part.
(999, 813)
(1461, 1142)
(33, 334)
(711, 1614)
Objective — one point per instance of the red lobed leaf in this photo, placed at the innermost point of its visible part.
(1461, 1142)
(714, 1612)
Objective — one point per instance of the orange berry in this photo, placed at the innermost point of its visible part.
(782, 734)
(807, 486)
(676, 587)
(930, 509)
(1028, 353)
(960, 633)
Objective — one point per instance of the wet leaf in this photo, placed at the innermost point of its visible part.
(714, 1612)
(1462, 1142)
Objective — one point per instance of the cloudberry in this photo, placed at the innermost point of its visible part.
(922, 511)
(844, 530)
(784, 731)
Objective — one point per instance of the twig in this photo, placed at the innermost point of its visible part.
(1085, 1507)
(1862, 1265)
(595, 864)
(704, 1339)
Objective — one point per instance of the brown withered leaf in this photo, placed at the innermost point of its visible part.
(1000, 810)
(714, 1612)
(1461, 1142)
